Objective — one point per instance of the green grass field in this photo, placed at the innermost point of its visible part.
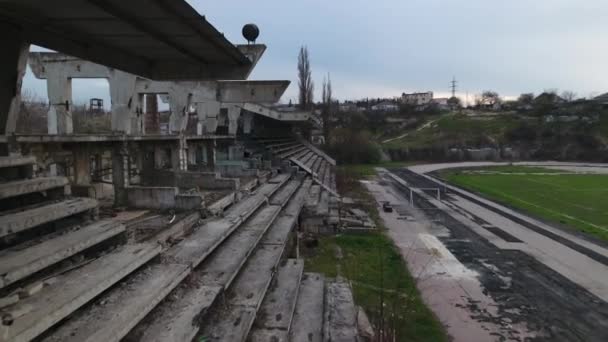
(579, 201)
(379, 275)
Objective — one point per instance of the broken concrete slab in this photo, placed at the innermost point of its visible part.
(22, 262)
(23, 220)
(307, 325)
(14, 161)
(275, 315)
(76, 288)
(115, 313)
(28, 186)
(340, 313)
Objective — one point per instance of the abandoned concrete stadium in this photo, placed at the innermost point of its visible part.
(205, 242)
(227, 218)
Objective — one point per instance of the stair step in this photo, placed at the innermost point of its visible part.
(179, 319)
(14, 161)
(276, 313)
(18, 263)
(221, 267)
(23, 220)
(244, 298)
(307, 324)
(28, 186)
(248, 290)
(76, 288)
(285, 193)
(216, 273)
(340, 313)
(113, 315)
(292, 152)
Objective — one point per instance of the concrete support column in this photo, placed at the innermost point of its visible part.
(179, 101)
(125, 104)
(13, 61)
(210, 153)
(247, 122)
(234, 113)
(59, 116)
(179, 155)
(120, 174)
(82, 166)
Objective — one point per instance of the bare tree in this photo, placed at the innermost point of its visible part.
(569, 95)
(490, 98)
(327, 106)
(305, 82)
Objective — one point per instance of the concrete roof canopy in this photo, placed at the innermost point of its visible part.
(156, 39)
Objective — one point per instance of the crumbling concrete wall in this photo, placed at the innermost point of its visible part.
(151, 197)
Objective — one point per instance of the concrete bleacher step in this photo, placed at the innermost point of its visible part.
(176, 319)
(293, 152)
(307, 324)
(274, 317)
(23, 187)
(74, 289)
(340, 321)
(278, 148)
(30, 218)
(301, 154)
(235, 320)
(18, 263)
(311, 162)
(306, 157)
(112, 316)
(286, 149)
(281, 196)
(15, 161)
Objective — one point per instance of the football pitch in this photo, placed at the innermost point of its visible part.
(578, 201)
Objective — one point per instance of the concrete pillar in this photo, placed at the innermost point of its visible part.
(120, 174)
(210, 153)
(59, 90)
(13, 62)
(247, 122)
(234, 113)
(179, 155)
(179, 101)
(82, 166)
(124, 102)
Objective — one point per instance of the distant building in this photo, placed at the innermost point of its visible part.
(602, 99)
(386, 106)
(417, 99)
(442, 103)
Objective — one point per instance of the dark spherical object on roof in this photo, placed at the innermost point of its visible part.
(251, 32)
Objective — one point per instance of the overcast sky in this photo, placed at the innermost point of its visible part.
(384, 47)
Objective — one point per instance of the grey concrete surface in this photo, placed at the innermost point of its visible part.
(27, 219)
(114, 314)
(19, 262)
(340, 323)
(307, 325)
(75, 289)
(22, 187)
(276, 313)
